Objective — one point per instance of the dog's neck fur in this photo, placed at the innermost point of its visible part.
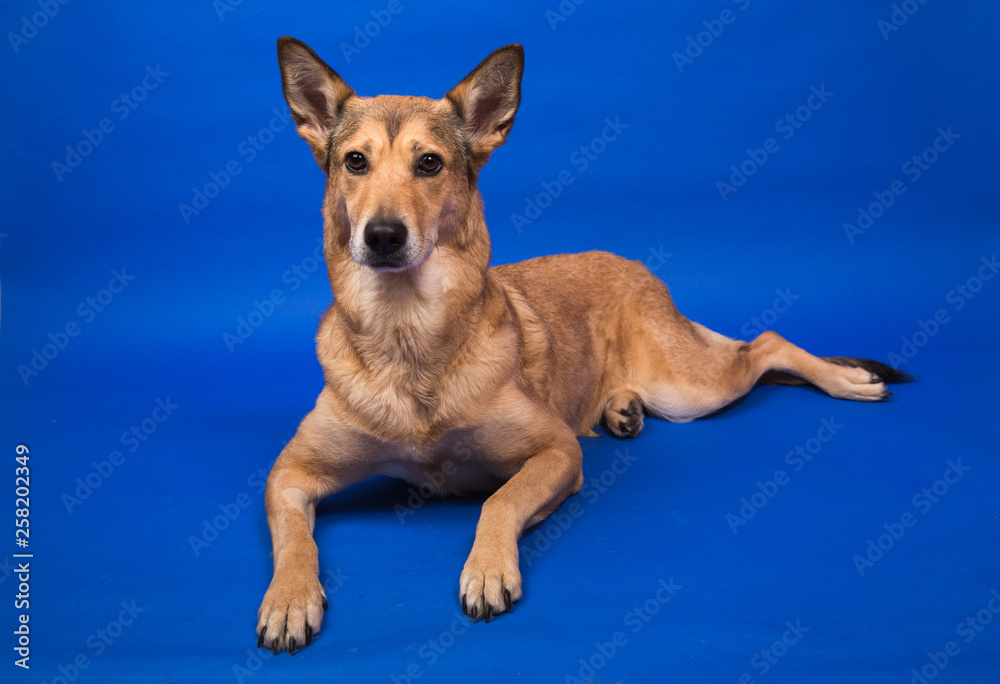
(420, 315)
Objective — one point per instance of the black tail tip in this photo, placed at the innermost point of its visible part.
(888, 374)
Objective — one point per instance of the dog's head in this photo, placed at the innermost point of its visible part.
(401, 171)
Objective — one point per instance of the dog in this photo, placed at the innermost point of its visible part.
(460, 377)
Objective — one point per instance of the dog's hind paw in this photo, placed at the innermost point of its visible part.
(291, 614)
(855, 384)
(623, 415)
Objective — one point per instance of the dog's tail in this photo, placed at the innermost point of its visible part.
(888, 374)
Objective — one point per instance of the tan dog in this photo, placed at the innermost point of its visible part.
(457, 376)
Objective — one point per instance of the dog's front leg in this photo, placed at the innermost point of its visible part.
(320, 460)
(550, 470)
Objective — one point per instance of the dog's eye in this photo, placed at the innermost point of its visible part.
(429, 164)
(356, 162)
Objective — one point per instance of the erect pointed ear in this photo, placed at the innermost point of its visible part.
(314, 92)
(487, 99)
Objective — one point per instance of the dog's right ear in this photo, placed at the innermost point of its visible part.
(315, 94)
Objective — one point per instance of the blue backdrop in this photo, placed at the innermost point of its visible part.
(826, 171)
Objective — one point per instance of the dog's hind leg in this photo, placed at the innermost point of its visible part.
(843, 377)
(713, 371)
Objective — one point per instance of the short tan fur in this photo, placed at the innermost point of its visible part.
(451, 374)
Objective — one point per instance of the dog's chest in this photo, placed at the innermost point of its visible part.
(397, 405)
(386, 383)
(409, 387)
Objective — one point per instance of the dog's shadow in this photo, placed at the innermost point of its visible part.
(392, 500)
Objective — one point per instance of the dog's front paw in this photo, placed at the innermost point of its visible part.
(291, 613)
(490, 583)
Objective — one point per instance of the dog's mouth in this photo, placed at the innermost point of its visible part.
(390, 263)
(403, 260)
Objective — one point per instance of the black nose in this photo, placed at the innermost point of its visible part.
(385, 236)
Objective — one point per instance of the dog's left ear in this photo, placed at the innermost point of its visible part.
(487, 99)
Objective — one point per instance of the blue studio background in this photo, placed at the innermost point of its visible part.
(828, 171)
